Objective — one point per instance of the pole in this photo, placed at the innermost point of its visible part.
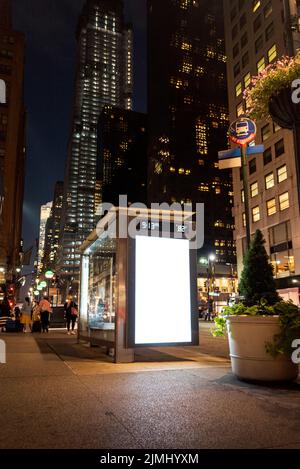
(208, 282)
(246, 193)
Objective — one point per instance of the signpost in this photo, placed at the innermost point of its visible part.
(241, 132)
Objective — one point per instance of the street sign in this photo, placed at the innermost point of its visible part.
(229, 159)
(242, 131)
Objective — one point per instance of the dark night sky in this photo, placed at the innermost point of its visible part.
(49, 27)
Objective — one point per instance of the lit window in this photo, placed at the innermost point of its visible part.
(238, 89)
(255, 214)
(256, 5)
(284, 201)
(272, 53)
(271, 207)
(247, 80)
(243, 195)
(244, 219)
(240, 110)
(201, 138)
(269, 181)
(254, 189)
(187, 67)
(203, 188)
(261, 65)
(172, 170)
(282, 173)
(186, 46)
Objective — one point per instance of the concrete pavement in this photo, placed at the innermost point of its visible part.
(58, 394)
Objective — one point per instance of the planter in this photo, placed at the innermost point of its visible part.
(282, 109)
(249, 360)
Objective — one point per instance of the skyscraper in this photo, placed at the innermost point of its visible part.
(12, 142)
(44, 216)
(257, 34)
(104, 76)
(52, 229)
(188, 114)
(123, 155)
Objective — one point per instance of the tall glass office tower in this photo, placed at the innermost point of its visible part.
(104, 75)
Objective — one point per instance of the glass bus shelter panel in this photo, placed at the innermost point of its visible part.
(102, 292)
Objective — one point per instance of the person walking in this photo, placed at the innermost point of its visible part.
(26, 315)
(5, 313)
(18, 314)
(71, 313)
(36, 317)
(45, 311)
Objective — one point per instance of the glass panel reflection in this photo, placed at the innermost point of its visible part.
(102, 278)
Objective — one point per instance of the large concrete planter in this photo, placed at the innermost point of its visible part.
(249, 359)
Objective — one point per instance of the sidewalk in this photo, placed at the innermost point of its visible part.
(58, 394)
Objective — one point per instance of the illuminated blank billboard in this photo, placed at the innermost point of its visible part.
(163, 301)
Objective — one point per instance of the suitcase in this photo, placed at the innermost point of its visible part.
(36, 326)
(10, 325)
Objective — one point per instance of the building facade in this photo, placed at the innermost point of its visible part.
(104, 76)
(12, 143)
(45, 213)
(258, 33)
(188, 115)
(122, 162)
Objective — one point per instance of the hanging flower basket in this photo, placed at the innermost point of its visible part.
(270, 93)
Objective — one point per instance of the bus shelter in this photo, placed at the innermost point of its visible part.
(138, 282)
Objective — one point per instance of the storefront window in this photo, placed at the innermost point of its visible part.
(283, 263)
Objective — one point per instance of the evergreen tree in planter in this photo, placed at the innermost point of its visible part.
(257, 282)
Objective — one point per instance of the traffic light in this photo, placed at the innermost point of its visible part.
(10, 291)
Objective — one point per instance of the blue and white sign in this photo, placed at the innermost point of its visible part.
(229, 159)
(242, 131)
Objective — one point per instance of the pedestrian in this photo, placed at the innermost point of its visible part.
(71, 313)
(26, 315)
(5, 313)
(19, 325)
(36, 317)
(45, 311)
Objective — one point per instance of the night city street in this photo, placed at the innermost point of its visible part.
(149, 232)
